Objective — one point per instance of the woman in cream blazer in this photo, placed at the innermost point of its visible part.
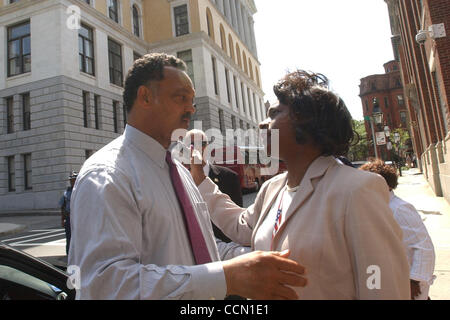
(335, 220)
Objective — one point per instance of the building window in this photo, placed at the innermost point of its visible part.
(11, 174)
(86, 49)
(115, 62)
(113, 10)
(221, 121)
(403, 118)
(125, 115)
(236, 91)
(241, 124)
(19, 49)
(186, 56)
(12, 1)
(223, 40)
(400, 100)
(386, 102)
(249, 103)
(9, 115)
(209, 23)
(27, 171)
(244, 105)
(180, 14)
(97, 111)
(227, 80)
(214, 66)
(85, 109)
(115, 122)
(26, 112)
(233, 122)
(136, 24)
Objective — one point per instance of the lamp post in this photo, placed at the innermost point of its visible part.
(377, 116)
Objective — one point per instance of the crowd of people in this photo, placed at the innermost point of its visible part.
(145, 226)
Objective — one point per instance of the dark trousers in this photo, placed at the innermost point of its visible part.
(68, 234)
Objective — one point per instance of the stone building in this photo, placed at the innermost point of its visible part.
(420, 40)
(385, 91)
(62, 74)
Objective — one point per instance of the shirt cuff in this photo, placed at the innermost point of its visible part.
(212, 279)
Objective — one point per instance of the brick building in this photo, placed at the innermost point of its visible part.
(420, 39)
(385, 91)
(64, 63)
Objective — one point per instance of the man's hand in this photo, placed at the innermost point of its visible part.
(415, 289)
(264, 276)
(197, 164)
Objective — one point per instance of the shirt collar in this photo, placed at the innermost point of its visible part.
(152, 148)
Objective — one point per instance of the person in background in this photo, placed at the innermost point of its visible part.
(334, 219)
(226, 179)
(417, 241)
(64, 204)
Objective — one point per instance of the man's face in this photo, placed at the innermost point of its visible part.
(174, 102)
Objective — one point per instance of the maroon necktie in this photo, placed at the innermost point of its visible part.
(198, 243)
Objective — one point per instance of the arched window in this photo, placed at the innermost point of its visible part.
(244, 57)
(223, 40)
(257, 77)
(231, 47)
(250, 67)
(238, 55)
(210, 23)
(136, 24)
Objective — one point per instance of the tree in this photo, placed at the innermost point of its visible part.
(359, 150)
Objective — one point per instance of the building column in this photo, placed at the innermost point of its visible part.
(240, 21)
(247, 29)
(234, 23)
(220, 5)
(252, 35)
(227, 10)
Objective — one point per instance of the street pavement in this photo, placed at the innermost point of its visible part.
(435, 213)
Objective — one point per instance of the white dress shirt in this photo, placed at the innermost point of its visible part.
(128, 235)
(417, 241)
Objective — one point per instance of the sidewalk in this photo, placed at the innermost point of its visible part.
(435, 213)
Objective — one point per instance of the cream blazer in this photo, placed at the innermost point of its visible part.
(339, 226)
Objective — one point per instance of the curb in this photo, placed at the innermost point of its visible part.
(29, 213)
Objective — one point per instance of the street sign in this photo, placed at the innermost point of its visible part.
(381, 138)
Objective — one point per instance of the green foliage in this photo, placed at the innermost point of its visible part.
(360, 148)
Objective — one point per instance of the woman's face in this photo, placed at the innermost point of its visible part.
(279, 118)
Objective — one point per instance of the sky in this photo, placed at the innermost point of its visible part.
(345, 40)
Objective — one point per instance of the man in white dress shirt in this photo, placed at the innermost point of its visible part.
(417, 241)
(129, 237)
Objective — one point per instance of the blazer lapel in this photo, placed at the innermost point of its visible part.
(316, 170)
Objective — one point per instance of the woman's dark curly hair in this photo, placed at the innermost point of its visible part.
(386, 171)
(147, 68)
(319, 115)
